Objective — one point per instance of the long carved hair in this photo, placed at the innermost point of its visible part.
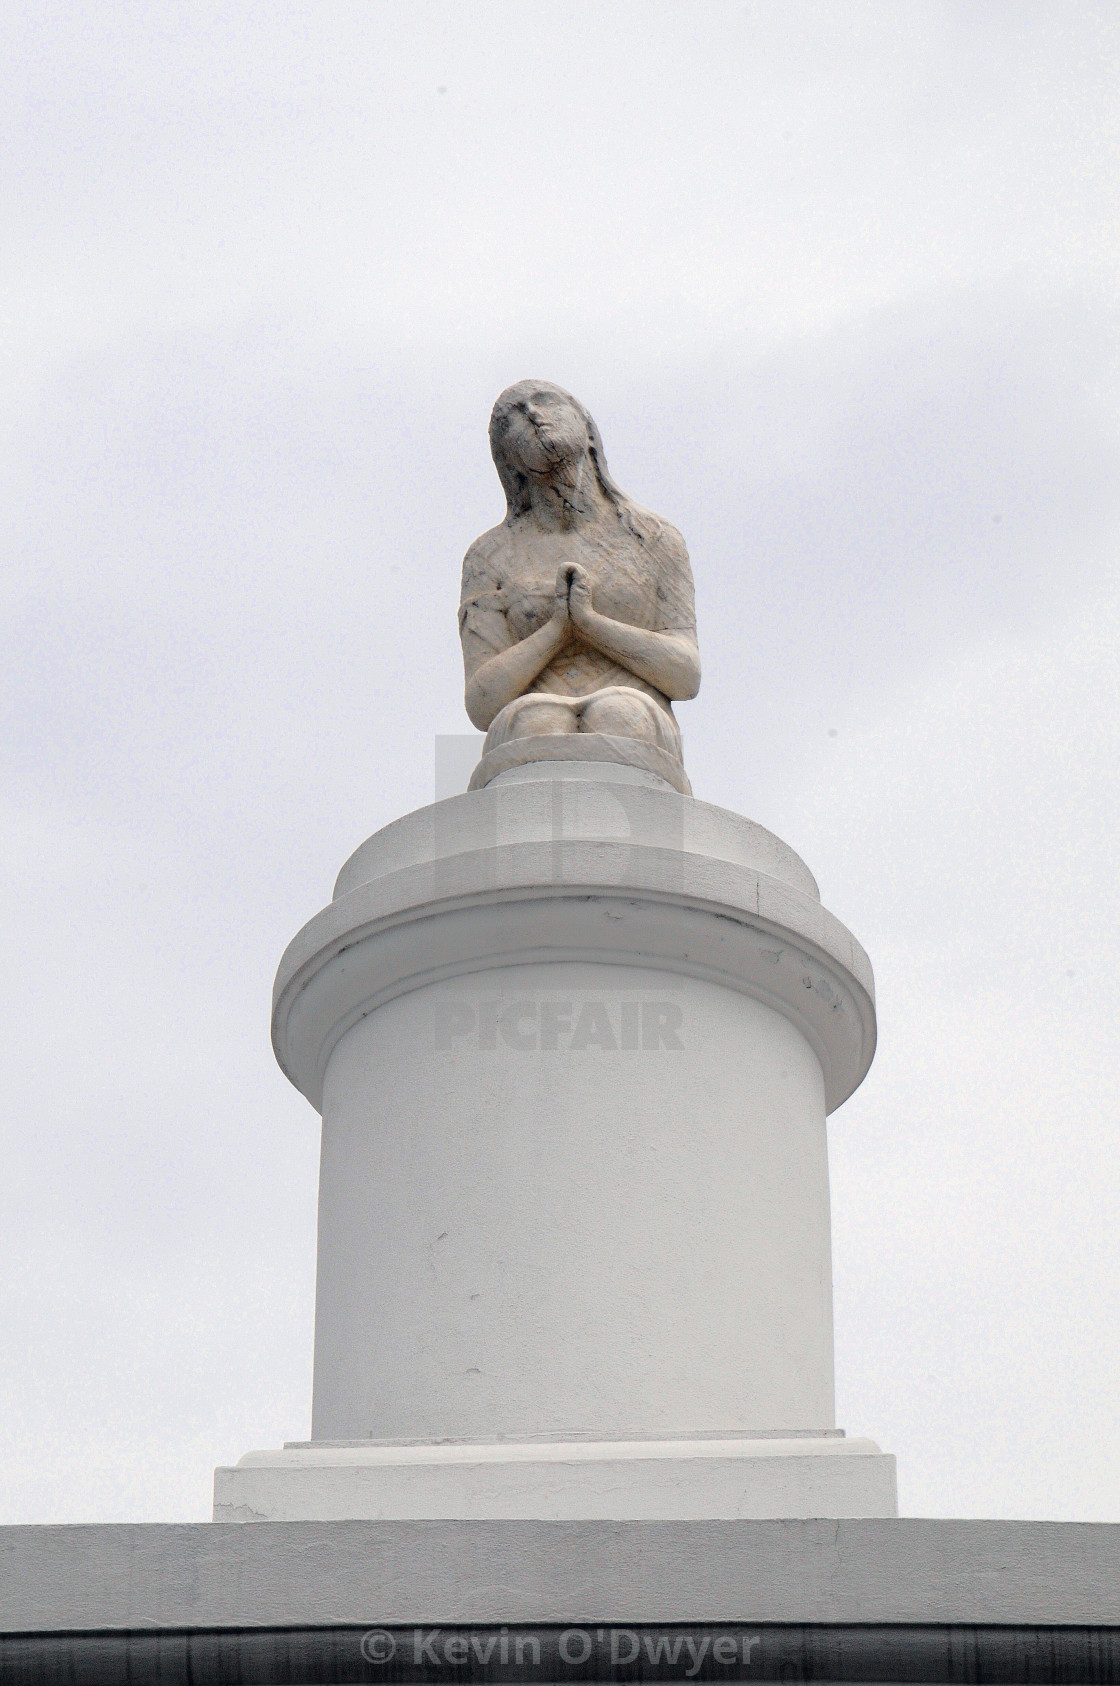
(515, 484)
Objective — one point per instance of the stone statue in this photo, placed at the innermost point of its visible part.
(576, 617)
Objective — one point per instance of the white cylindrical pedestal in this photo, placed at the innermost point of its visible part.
(520, 1240)
(574, 1039)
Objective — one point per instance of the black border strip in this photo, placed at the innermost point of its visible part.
(581, 1653)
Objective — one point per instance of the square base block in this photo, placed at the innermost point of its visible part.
(729, 1479)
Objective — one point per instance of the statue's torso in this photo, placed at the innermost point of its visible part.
(514, 583)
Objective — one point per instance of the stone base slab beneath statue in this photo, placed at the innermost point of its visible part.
(596, 748)
(729, 1479)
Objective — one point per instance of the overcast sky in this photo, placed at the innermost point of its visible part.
(838, 282)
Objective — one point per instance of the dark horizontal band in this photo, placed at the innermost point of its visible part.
(416, 1656)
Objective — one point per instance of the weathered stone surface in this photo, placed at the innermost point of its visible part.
(577, 616)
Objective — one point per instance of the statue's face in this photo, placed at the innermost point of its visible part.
(544, 430)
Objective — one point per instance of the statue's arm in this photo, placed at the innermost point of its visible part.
(666, 658)
(496, 670)
(497, 679)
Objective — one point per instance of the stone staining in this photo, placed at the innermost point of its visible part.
(577, 616)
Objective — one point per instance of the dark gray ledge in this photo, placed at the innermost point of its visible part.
(124, 1576)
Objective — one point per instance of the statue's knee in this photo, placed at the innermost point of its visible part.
(533, 717)
(621, 716)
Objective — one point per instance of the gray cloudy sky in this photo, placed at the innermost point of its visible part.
(838, 281)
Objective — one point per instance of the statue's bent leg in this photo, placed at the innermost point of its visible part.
(615, 724)
(532, 716)
(622, 712)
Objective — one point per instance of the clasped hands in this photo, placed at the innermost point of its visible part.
(573, 598)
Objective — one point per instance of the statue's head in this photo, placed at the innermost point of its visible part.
(537, 432)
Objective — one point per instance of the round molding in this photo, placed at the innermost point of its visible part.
(637, 903)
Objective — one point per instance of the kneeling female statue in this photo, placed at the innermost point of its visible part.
(577, 616)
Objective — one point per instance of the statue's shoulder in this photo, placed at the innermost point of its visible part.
(665, 546)
(662, 539)
(481, 564)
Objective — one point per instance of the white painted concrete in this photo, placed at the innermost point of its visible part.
(574, 1041)
(575, 870)
(629, 1480)
(518, 1239)
(570, 802)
